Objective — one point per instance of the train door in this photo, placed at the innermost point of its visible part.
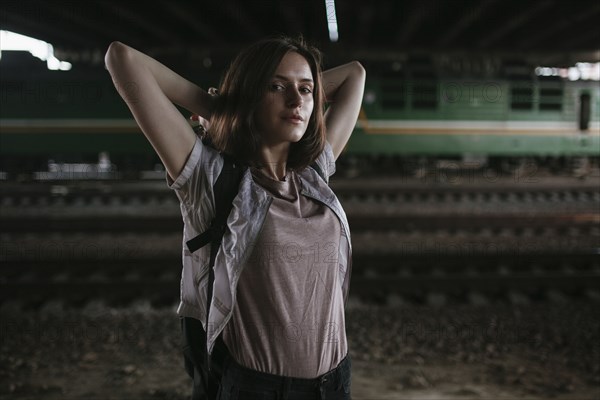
(584, 111)
(581, 166)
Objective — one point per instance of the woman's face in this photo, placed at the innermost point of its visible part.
(285, 110)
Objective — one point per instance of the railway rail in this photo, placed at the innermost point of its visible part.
(413, 241)
(394, 195)
(396, 222)
(483, 278)
(400, 188)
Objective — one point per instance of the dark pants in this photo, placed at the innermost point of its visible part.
(240, 383)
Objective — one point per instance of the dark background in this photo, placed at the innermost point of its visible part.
(187, 32)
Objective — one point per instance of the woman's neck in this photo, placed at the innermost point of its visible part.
(276, 172)
(274, 161)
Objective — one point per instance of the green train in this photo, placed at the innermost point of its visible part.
(470, 123)
(414, 118)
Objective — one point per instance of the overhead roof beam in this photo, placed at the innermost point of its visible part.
(561, 25)
(241, 18)
(513, 24)
(195, 20)
(421, 10)
(468, 17)
(122, 12)
(96, 29)
(290, 16)
(365, 20)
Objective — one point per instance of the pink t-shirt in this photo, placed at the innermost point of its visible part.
(289, 315)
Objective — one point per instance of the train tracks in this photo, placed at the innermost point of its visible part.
(376, 278)
(494, 241)
(156, 193)
(359, 222)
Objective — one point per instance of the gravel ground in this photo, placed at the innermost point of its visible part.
(533, 351)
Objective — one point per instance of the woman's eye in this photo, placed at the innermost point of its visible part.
(306, 90)
(277, 86)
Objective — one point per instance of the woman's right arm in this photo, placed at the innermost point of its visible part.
(149, 89)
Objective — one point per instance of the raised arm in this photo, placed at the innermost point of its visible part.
(344, 86)
(150, 90)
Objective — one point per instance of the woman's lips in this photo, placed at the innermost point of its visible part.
(294, 120)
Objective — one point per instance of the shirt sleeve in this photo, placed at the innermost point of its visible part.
(326, 161)
(198, 175)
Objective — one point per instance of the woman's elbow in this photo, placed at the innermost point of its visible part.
(116, 52)
(359, 69)
(113, 47)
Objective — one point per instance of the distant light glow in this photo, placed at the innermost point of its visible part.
(574, 74)
(581, 71)
(332, 24)
(10, 41)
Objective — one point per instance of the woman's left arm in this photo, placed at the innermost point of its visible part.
(344, 86)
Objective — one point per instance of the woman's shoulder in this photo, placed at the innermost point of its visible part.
(200, 170)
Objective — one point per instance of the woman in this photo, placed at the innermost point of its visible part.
(282, 273)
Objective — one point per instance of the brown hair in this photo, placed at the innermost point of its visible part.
(233, 128)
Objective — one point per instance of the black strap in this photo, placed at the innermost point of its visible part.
(225, 189)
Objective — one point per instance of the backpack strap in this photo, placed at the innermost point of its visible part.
(225, 189)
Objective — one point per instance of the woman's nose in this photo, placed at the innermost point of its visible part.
(294, 99)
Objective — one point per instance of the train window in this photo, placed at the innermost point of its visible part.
(519, 75)
(423, 92)
(393, 94)
(424, 95)
(521, 96)
(551, 93)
